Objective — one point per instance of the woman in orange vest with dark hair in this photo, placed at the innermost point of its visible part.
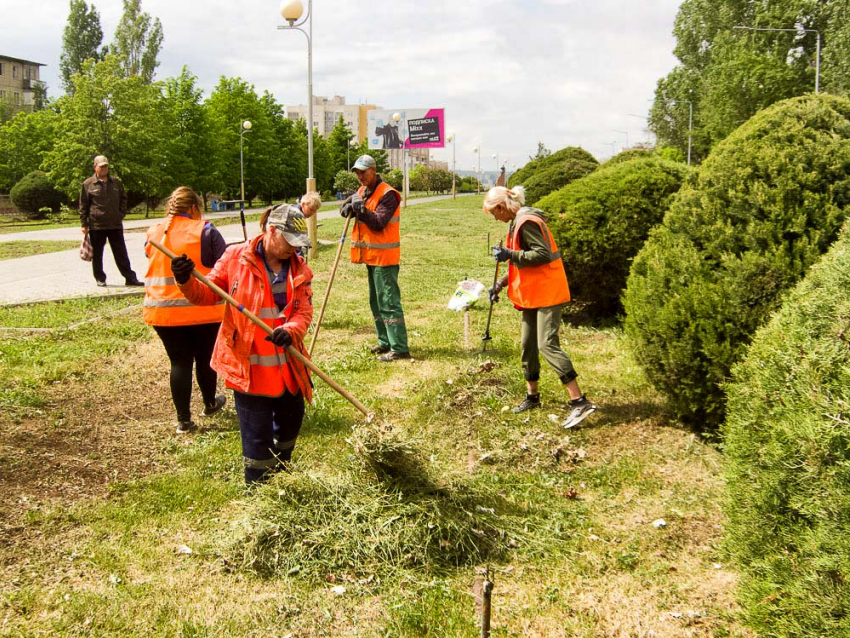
(537, 286)
(266, 276)
(188, 332)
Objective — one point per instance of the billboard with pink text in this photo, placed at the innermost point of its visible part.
(406, 128)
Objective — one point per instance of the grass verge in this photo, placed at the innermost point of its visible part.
(364, 537)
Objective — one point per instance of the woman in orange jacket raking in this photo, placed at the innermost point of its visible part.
(267, 277)
(537, 286)
(188, 332)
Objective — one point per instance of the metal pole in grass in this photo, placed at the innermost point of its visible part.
(483, 597)
(262, 325)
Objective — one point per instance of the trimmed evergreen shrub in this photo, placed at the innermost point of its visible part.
(564, 156)
(35, 192)
(601, 221)
(551, 178)
(764, 206)
(788, 460)
(628, 155)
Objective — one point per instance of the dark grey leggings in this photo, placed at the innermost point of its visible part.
(186, 345)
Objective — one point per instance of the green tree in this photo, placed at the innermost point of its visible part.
(338, 145)
(290, 151)
(24, 142)
(232, 102)
(114, 115)
(34, 193)
(542, 152)
(345, 181)
(190, 147)
(138, 40)
(728, 75)
(80, 41)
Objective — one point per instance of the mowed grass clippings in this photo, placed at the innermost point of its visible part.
(380, 537)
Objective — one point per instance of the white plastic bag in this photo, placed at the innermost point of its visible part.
(467, 293)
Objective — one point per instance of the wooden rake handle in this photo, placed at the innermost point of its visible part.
(330, 283)
(262, 325)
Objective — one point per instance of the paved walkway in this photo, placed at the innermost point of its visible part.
(62, 275)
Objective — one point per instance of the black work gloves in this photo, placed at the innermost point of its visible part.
(500, 253)
(280, 337)
(182, 268)
(494, 293)
(352, 206)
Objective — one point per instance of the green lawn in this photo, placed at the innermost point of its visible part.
(380, 528)
(26, 248)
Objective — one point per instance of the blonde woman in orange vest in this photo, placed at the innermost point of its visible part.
(267, 277)
(376, 242)
(537, 286)
(188, 332)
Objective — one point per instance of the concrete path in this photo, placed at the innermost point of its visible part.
(63, 275)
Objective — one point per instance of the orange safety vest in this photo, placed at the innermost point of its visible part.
(377, 247)
(164, 304)
(271, 371)
(537, 286)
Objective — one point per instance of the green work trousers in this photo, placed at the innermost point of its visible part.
(540, 336)
(385, 301)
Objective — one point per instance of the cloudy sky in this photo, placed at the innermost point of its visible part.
(509, 74)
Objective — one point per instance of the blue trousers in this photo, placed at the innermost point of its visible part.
(269, 427)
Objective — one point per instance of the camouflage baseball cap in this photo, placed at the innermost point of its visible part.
(292, 223)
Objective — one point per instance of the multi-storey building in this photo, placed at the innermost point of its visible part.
(326, 114)
(19, 81)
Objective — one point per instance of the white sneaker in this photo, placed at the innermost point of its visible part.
(579, 414)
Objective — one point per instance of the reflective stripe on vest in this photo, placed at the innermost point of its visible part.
(271, 372)
(381, 247)
(164, 304)
(538, 286)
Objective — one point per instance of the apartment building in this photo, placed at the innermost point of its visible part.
(19, 81)
(326, 113)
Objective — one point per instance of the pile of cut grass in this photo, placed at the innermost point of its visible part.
(320, 526)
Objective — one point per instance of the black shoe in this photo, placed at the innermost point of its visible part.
(379, 349)
(101, 284)
(134, 283)
(530, 402)
(394, 356)
(216, 405)
(185, 426)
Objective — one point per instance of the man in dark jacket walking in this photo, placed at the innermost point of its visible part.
(103, 205)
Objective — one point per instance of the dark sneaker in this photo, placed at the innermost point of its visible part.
(216, 405)
(101, 284)
(394, 356)
(185, 426)
(379, 349)
(528, 403)
(582, 408)
(134, 283)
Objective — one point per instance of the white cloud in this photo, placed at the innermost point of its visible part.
(509, 74)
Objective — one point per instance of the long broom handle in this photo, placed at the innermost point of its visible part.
(262, 325)
(330, 283)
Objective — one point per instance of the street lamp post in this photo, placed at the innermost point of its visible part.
(397, 117)
(477, 149)
(291, 11)
(245, 127)
(451, 138)
(351, 144)
(817, 51)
